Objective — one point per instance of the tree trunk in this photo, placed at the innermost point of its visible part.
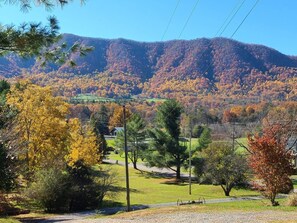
(134, 165)
(273, 201)
(227, 193)
(226, 190)
(134, 160)
(178, 172)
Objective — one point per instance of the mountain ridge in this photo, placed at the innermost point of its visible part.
(122, 67)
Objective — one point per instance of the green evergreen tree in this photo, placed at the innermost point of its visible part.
(165, 149)
(99, 121)
(135, 139)
(7, 173)
(205, 138)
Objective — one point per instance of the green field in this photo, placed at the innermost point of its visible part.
(91, 98)
(8, 220)
(148, 188)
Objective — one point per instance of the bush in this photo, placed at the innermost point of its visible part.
(50, 190)
(107, 181)
(88, 187)
(292, 199)
(78, 188)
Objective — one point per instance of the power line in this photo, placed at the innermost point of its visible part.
(227, 18)
(238, 25)
(233, 17)
(245, 18)
(170, 20)
(184, 27)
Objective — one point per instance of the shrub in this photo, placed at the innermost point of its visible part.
(88, 187)
(292, 199)
(78, 188)
(50, 190)
(107, 181)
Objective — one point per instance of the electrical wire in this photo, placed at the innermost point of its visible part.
(189, 17)
(254, 6)
(238, 26)
(227, 18)
(170, 20)
(232, 17)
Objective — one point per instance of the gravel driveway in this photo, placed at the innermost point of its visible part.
(191, 217)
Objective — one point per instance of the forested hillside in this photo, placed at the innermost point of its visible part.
(191, 69)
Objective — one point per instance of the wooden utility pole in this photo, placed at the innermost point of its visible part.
(126, 160)
(190, 160)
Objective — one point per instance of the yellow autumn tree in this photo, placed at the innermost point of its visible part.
(40, 125)
(82, 144)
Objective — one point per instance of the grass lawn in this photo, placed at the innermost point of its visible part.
(8, 220)
(110, 142)
(148, 188)
(118, 157)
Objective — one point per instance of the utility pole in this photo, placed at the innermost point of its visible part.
(190, 159)
(126, 160)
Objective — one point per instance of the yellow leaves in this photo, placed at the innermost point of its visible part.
(40, 124)
(43, 130)
(117, 118)
(82, 144)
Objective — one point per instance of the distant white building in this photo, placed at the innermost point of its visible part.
(116, 130)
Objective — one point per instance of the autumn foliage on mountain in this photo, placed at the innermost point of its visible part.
(194, 69)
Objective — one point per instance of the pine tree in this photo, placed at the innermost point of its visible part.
(165, 150)
(135, 139)
(34, 39)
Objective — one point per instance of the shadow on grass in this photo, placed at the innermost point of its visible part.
(111, 204)
(38, 220)
(123, 189)
(155, 175)
(175, 182)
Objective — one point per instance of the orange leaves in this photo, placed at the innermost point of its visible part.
(271, 161)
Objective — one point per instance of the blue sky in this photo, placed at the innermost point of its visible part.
(272, 23)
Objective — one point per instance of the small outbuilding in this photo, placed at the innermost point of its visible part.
(116, 130)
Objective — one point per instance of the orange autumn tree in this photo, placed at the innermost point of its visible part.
(271, 161)
(117, 118)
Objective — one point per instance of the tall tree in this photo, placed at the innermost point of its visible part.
(271, 161)
(7, 172)
(99, 121)
(40, 125)
(135, 139)
(165, 149)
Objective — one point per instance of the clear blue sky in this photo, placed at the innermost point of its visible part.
(272, 23)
